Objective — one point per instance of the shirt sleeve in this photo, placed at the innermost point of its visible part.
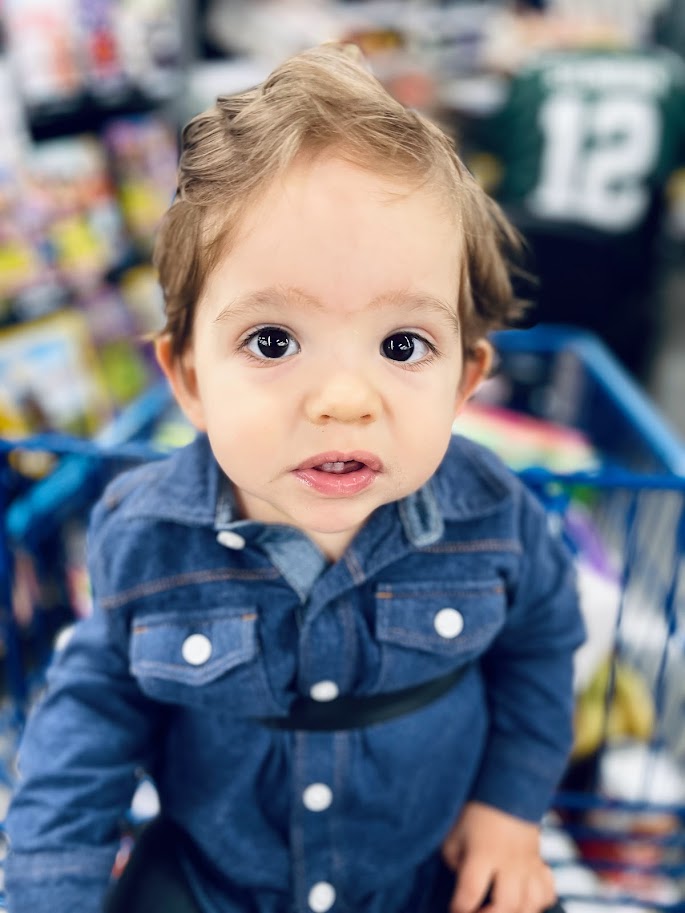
(529, 677)
(79, 762)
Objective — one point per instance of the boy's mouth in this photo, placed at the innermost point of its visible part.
(340, 466)
(340, 463)
(337, 474)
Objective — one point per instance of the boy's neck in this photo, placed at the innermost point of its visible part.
(332, 544)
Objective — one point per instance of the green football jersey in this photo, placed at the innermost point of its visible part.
(589, 138)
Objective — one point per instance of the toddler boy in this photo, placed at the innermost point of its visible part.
(338, 638)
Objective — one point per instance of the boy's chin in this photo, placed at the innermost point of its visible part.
(335, 518)
(331, 534)
(332, 519)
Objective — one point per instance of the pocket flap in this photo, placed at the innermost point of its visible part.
(193, 648)
(445, 618)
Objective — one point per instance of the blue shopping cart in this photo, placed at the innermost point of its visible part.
(615, 836)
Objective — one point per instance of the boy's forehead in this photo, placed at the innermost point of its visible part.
(332, 178)
(341, 169)
(390, 181)
(304, 246)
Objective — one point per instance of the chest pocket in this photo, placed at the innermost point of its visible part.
(206, 659)
(427, 629)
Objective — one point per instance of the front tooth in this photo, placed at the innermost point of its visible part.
(333, 467)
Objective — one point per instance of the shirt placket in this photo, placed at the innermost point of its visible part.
(325, 656)
(314, 804)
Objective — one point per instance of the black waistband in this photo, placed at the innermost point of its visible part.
(350, 712)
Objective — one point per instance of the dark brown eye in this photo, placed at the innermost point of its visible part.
(272, 342)
(399, 346)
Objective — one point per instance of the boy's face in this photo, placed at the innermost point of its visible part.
(326, 361)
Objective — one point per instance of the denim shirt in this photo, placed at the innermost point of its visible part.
(204, 622)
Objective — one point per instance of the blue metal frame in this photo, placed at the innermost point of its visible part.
(619, 391)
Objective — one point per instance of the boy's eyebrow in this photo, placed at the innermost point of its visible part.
(420, 301)
(244, 305)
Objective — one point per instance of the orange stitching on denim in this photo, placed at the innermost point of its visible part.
(180, 580)
(412, 594)
(480, 545)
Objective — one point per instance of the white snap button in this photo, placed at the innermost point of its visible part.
(230, 539)
(449, 623)
(324, 691)
(321, 897)
(317, 797)
(63, 638)
(196, 649)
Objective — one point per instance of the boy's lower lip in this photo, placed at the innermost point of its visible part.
(337, 484)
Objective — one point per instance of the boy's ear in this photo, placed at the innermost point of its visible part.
(180, 372)
(476, 367)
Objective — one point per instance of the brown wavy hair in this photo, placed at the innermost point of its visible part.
(323, 101)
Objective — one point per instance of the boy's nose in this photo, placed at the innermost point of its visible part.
(345, 398)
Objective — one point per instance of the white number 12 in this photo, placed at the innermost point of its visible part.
(597, 154)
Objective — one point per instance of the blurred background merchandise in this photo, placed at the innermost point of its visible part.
(88, 153)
